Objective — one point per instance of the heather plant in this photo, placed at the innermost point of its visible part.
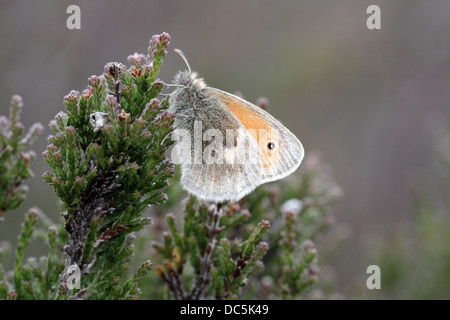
(127, 231)
(14, 161)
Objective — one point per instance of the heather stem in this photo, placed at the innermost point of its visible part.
(202, 279)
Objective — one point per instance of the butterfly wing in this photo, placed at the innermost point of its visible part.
(212, 148)
(280, 152)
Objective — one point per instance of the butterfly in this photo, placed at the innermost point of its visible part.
(226, 146)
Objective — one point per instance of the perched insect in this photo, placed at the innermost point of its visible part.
(227, 146)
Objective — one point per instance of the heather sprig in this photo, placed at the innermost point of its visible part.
(14, 161)
(213, 267)
(34, 278)
(108, 165)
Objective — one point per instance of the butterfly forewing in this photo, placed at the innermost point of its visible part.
(280, 152)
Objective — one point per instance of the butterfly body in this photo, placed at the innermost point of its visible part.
(230, 145)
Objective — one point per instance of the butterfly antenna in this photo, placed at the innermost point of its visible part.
(184, 58)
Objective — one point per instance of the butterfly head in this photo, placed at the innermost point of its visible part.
(188, 78)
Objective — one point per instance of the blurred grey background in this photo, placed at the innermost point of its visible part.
(365, 99)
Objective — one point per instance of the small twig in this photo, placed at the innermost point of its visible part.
(202, 278)
(115, 71)
(173, 281)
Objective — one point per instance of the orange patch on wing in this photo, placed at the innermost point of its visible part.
(258, 127)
